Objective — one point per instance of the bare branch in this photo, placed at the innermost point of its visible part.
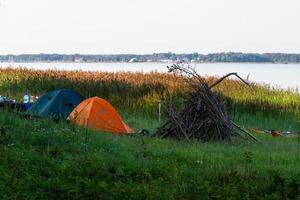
(226, 76)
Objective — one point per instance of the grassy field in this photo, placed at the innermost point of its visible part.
(41, 159)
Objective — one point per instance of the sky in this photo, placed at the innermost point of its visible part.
(148, 26)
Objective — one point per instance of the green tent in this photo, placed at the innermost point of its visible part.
(57, 104)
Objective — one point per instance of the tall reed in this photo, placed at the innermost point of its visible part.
(140, 93)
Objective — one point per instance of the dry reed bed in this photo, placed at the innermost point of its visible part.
(140, 91)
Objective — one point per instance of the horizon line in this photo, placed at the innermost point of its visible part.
(94, 54)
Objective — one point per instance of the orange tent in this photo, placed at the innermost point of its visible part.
(98, 114)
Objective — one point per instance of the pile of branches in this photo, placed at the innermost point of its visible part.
(204, 114)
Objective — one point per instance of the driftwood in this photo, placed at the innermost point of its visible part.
(204, 115)
(226, 76)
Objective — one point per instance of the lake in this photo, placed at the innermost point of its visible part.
(277, 75)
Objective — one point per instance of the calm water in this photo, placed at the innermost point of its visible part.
(277, 75)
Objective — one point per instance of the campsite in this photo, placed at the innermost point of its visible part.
(149, 100)
(62, 147)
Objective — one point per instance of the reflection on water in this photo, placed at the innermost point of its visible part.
(277, 75)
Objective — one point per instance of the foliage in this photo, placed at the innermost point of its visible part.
(156, 57)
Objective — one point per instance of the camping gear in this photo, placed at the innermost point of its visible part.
(26, 102)
(11, 104)
(26, 98)
(257, 130)
(6, 102)
(2, 98)
(25, 106)
(57, 104)
(275, 133)
(98, 114)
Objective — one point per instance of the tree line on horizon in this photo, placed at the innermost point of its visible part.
(156, 57)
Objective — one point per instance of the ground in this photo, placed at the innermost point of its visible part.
(42, 159)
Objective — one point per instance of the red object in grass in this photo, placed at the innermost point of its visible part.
(275, 133)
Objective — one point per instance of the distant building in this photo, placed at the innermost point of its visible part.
(166, 61)
(11, 58)
(186, 60)
(78, 59)
(133, 60)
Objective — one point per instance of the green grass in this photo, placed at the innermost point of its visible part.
(271, 121)
(41, 159)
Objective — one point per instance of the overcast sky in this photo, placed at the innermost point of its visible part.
(148, 26)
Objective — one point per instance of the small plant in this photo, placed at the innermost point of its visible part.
(248, 157)
(4, 137)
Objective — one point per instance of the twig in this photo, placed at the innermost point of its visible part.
(179, 125)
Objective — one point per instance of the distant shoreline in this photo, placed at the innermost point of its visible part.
(41, 62)
(230, 57)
